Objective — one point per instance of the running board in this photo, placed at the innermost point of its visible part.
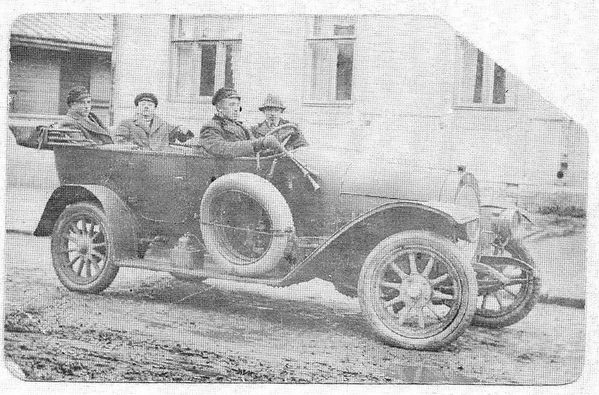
(163, 265)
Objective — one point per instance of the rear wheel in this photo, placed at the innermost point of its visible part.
(416, 292)
(501, 305)
(82, 249)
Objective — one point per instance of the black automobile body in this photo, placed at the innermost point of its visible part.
(408, 241)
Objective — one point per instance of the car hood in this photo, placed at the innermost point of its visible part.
(350, 172)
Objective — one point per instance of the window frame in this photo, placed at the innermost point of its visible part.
(464, 93)
(221, 43)
(309, 100)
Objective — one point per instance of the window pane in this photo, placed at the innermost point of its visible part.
(478, 84)
(186, 80)
(208, 70)
(344, 30)
(324, 57)
(229, 82)
(186, 27)
(334, 25)
(499, 85)
(345, 61)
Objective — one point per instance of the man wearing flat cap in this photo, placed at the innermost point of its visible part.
(226, 137)
(147, 130)
(273, 108)
(79, 116)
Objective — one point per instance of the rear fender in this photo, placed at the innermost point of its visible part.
(120, 220)
(347, 248)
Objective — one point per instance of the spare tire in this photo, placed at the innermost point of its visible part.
(246, 224)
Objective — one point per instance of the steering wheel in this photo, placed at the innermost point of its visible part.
(287, 138)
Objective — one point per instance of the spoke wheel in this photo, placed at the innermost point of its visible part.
(500, 305)
(416, 292)
(246, 224)
(82, 249)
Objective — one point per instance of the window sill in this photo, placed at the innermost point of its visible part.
(197, 100)
(328, 104)
(485, 107)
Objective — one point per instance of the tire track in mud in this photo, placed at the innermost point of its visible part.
(151, 327)
(73, 353)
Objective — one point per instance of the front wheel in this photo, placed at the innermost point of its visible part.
(500, 305)
(82, 249)
(415, 291)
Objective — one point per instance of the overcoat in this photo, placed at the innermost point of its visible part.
(226, 138)
(156, 136)
(91, 126)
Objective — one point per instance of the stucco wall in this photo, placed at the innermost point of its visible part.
(403, 99)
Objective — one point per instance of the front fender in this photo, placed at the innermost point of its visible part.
(366, 231)
(120, 220)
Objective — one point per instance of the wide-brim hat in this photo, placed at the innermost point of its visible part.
(224, 93)
(272, 101)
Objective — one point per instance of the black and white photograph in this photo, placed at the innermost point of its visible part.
(303, 197)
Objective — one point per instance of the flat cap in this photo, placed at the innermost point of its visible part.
(272, 101)
(76, 94)
(224, 93)
(146, 96)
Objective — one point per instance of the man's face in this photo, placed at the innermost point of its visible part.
(272, 115)
(83, 106)
(146, 108)
(229, 108)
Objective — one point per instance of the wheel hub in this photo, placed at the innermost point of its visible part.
(417, 290)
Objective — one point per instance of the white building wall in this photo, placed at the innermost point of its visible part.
(140, 61)
(404, 81)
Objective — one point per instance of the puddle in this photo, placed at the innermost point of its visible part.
(427, 375)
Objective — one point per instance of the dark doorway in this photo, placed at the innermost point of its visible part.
(75, 70)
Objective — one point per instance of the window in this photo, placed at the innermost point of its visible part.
(484, 83)
(205, 51)
(331, 53)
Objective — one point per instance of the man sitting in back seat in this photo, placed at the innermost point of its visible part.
(80, 116)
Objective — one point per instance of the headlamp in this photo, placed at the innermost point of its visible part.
(506, 223)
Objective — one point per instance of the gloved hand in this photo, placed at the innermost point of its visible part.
(183, 137)
(287, 132)
(268, 143)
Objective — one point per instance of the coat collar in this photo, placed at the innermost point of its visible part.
(229, 122)
(91, 122)
(155, 124)
(220, 119)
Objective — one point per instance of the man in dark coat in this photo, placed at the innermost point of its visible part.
(147, 130)
(273, 108)
(224, 136)
(79, 116)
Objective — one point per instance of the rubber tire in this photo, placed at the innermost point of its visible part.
(109, 271)
(443, 247)
(533, 291)
(273, 203)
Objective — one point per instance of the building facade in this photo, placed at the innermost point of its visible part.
(50, 54)
(401, 85)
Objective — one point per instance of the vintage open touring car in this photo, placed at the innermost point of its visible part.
(408, 241)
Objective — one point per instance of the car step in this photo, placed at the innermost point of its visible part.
(164, 265)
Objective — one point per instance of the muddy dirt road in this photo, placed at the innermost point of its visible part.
(150, 327)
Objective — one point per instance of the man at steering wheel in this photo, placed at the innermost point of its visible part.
(273, 108)
(226, 137)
